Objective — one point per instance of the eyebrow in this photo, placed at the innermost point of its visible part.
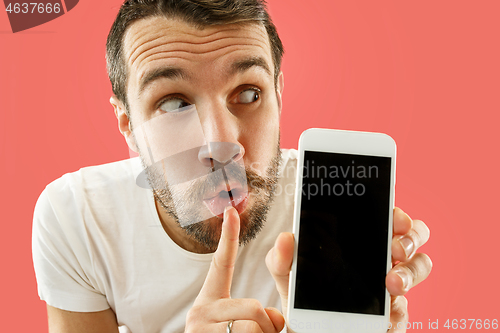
(245, 64)
(170, 73)
(173, 73)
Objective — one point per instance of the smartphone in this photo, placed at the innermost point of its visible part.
(344, 206)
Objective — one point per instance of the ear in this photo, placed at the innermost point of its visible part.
(279, 90)
(123, 122)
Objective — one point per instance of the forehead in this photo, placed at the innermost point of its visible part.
(158, 41)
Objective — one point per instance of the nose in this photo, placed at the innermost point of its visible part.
(219, 153)
(221, 131)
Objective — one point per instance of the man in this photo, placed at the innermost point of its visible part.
(103, 262)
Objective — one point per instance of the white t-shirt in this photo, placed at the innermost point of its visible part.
(98, 243)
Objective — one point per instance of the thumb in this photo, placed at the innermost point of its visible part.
(276, 317)
(279, 262)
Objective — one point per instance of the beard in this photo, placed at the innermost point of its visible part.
(181, 201)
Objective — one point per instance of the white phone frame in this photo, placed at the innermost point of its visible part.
(348, 142)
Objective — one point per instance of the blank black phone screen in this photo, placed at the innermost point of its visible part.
(344, 220)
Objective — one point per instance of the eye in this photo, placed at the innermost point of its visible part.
(247, 96)
(173, 104)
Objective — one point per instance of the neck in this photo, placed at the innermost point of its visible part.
(177, 234)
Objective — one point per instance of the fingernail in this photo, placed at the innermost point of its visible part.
(407, 245)
(404, 278)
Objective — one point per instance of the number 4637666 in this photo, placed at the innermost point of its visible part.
(33, 7)
(478, 324)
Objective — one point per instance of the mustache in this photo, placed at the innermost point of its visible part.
(209, 183)
(245, 176)
(194, 190)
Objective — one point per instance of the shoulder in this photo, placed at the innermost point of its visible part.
(94, 183)
(89, 196)
(75, 222)
(99, 176)
(288, 167)
(289, 155)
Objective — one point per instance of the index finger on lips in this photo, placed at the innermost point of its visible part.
(218, 281)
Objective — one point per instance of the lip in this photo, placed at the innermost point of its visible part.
(223, 187)
(217, 202)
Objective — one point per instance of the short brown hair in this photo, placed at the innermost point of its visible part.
(200, 13)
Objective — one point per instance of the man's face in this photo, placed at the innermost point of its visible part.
(227, 72)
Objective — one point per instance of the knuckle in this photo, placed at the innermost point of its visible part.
(191, 314)
(194, 316)
(425, 262)
(255, 307)
(402, 306)
(412, 267)
(404, 301)
(422, 231)
(399, 311)
(415, 236)
(192, 328)
(418, 268)
(427, 231)
(402, 314)
(397, 248)
(219, 263)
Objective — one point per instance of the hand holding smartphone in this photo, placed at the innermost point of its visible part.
(343, 232)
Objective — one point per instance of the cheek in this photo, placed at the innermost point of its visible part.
(260, 139)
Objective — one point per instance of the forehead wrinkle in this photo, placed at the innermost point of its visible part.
(204, 47)
(161, 35)
(172, 24)
(136, 36)
(161, 54)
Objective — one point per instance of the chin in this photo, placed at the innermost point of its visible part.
(207, 233)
